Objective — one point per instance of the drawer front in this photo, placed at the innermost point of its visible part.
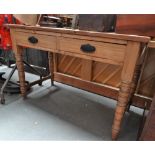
(37, 41)
(94, 49)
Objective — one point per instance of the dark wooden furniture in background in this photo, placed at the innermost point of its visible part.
(97, 22)
(147, 127)
(148, 132)
(142, 24)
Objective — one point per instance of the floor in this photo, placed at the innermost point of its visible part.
(62, 113)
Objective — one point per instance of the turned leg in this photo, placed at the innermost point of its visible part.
(51, 67)
(21, 73)
(126, 93)
(123, 99)
(132, 54)
(133, 84)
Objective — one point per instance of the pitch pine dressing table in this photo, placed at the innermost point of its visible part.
(110, 48)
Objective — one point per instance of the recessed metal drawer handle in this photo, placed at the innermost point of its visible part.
(33, 40)
(87, 48)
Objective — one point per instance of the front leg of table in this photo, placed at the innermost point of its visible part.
(122, 103)
(126, 88)
(20, 67)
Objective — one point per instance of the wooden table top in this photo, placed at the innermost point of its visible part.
(127, 37)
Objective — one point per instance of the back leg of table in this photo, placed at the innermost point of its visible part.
(51, 67)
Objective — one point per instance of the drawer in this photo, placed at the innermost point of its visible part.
(37, 41)
(107, 51)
